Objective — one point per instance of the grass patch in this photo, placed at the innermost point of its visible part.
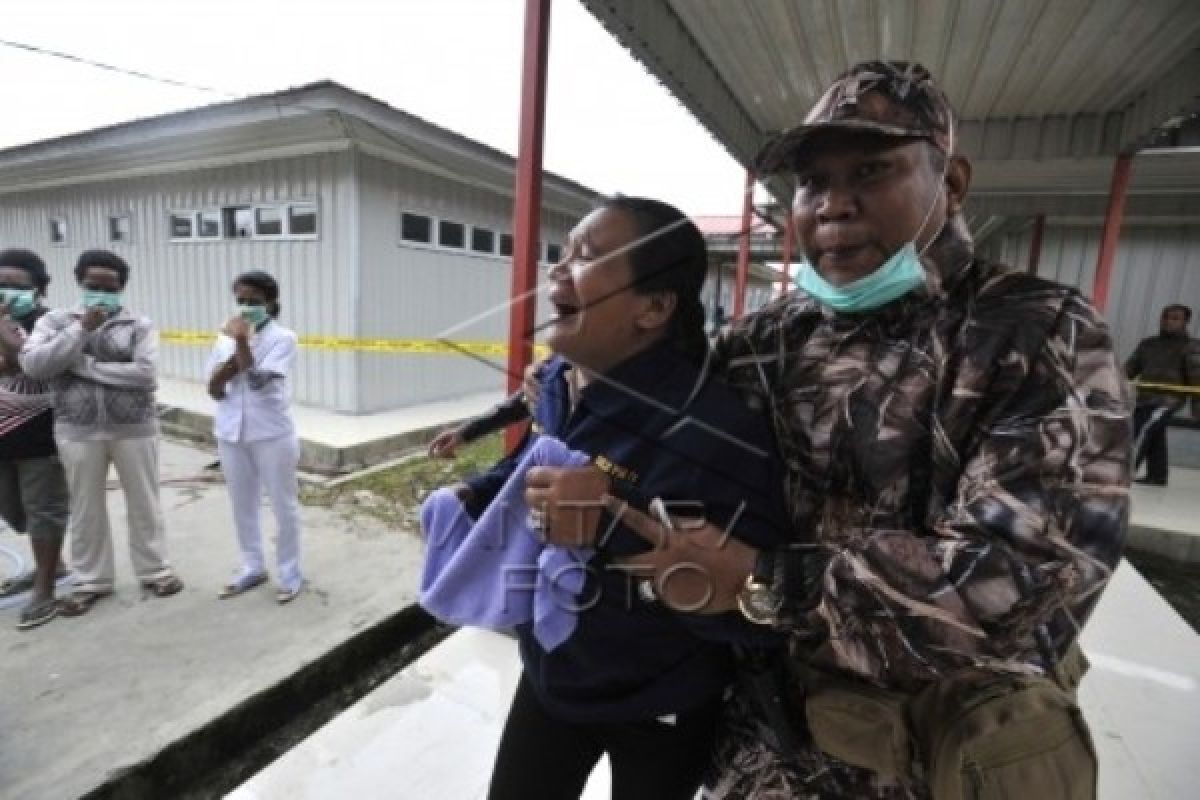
(394, 495)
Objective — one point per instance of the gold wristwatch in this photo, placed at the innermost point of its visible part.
(758, 601)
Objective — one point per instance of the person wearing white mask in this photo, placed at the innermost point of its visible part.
(249, 374)
(957, 442)
(101, 360)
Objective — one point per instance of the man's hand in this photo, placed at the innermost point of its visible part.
(446, 443)
(569, 501)
(237, 328)
(694, 566)
(93, 318)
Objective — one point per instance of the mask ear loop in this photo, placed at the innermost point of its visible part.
(941, 183)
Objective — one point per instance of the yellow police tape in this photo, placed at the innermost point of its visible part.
(344, 344)
(1167, 387)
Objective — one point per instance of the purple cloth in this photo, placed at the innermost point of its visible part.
(495, 572)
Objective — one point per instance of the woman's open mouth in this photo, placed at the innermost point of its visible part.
(564, 310)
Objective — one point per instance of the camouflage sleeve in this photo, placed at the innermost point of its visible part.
(1013, 560)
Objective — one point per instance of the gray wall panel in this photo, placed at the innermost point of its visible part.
(410, 291)
(186, 285)
(1155, 266)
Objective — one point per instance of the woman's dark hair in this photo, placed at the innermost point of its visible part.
(257, 279)
(104, 259)
(669, 256)
(28, 261)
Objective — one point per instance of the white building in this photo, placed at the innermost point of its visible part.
(378, 225)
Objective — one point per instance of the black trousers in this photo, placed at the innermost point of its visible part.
(543, 758)
(1150, 440)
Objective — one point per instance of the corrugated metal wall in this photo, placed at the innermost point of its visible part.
(1155, 266)
(410, 291)
(186, 285)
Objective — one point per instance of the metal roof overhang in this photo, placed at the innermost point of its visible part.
(323, 117)
(1049, 91)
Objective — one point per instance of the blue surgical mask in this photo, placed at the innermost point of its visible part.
(20, 301)
(255, 315)
(109, 301)
(898, 276)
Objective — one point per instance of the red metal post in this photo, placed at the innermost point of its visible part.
(789, 241)
(1113, 217)
(527, 199)
(1035, 244)
(743, 262)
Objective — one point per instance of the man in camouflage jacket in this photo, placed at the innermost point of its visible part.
(957, 459)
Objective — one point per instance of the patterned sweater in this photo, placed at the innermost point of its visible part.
(964, 456)
(963, 453)
(103, 381)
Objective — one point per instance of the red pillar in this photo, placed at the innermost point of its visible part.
(527, 199)
(743, 262)
(1113, 217)
(789, 241)
(1035, 243)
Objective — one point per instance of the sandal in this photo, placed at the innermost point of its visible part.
(283, 596)
(38, 613)
(242, 583)
(16, 585)
(79, 602)
(164, 586)
(24, 582)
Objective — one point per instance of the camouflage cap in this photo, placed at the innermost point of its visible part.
(893, 98)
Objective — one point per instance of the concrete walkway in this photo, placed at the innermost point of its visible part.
(1166, 519)
(333, 442)
(432, 730)
(83, 698)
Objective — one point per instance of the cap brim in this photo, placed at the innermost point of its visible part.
(779, 154)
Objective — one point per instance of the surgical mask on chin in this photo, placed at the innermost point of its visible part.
(20, 301)
(255, 315)
(109, 301)
(898, 276)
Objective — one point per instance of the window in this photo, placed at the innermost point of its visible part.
(181, 224)
(452, 234)
(483, 240)
(58, 230)
(120, 228)
(553, 253)
(416, 228)
(506, 244)
(239, 222)
(208, 224)
(268, 221)
(302, 219)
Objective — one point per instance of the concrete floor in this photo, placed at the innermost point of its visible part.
(432, 730)
(336, 430)
(82, 698)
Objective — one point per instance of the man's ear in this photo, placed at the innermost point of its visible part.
(656, 311)
(958, 182)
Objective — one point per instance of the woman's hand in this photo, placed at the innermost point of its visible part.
(568, 502)
(237, 328)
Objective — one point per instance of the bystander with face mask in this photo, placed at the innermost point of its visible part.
(249, 374)
(102, 361)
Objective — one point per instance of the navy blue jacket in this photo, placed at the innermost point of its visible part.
(659, 430)
(550, 417)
